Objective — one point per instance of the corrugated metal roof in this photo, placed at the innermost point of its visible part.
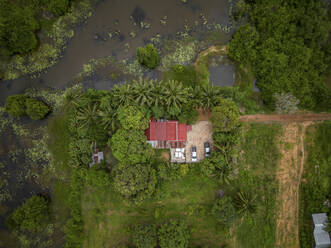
(322, 237)
(166, 131)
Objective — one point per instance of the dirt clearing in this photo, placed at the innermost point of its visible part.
(285, 117)
(201, 133)
(289, 172)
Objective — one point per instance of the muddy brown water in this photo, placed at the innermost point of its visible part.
(91, 40)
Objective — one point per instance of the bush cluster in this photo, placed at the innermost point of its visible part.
(148, 56)
(20, 105)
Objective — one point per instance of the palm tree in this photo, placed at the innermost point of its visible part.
(208, 96)
(122, 95)
(143, 92)
(87, 116)
(174, 94)
(108, 118)
(245, 202)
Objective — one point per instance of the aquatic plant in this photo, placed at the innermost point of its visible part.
(183, 54)
(48, 53)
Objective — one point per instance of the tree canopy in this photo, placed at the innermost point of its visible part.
(224, 117)
(32, 216)
(135, 181)
(148, 56)
(174, 234)
(286, 42)
(144, 236)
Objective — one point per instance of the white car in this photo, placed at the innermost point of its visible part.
(194, 154)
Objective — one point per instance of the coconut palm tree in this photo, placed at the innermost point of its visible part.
(174, 94)
(245, 202)
(208, 96)
(143, 92)
(87, 116)
(122, 95)
(108, 119)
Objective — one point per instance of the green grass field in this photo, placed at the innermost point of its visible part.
(259, 156)
(316, 181)
(108, 219)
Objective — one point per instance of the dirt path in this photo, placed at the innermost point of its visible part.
(289, 172)
(285, 117)
(211, 49)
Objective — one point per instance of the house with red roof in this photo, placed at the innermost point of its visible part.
(167, 133)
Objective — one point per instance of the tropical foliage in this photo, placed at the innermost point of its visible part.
(32, 216)
(224, 211)
(148, 56)
(145, 236)
(20, 105)
(287, 45)
(174, 234)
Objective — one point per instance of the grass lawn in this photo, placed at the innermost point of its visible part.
(258, 160)
(108, 219)
(316, 181)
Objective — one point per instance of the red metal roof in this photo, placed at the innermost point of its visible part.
(167, 131)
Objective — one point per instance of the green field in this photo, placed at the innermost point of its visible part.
(109, 220)
(316, 181)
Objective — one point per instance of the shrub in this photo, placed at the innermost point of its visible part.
(32, 216)
(144, 236)
(36, 109)
(286, 103)
(58, 7)
(224, 211)
(174, 234)
(148, 56)
(183, 74)
(15, 105)
(135, 181)
(225, 116)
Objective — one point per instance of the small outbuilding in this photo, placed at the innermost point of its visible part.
(97, 157)
(322, 237)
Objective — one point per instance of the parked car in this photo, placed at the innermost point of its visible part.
(194, 154)
(207, 149)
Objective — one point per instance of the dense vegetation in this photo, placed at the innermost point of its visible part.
(148, 56)
(29, 222)
(315, 186)
(19, 21)
(20, 105)
(286, 43)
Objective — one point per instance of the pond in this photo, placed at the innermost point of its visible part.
(221, 71)
(117, 28)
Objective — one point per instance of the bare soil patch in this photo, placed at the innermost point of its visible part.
(204, 115)
(166, 156)
(289, 172)
(211, 49)
(201, 133)
(285, 117)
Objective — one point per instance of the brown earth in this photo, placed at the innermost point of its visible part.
(289, 172)
(285, 117)
(211, 49)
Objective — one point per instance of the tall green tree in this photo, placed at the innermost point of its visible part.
(32, 216)
(145, 236)
(225, 116)
(135, 181)
(174, 234)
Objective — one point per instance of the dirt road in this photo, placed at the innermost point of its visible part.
(289, 172)
(285, 117)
